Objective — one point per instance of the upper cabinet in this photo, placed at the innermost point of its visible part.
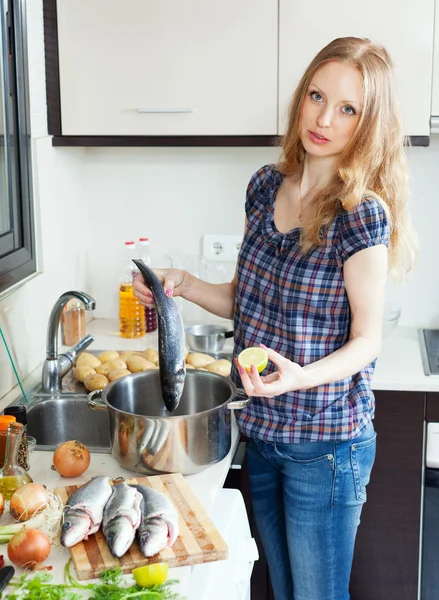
(404, 27)
(174, 67)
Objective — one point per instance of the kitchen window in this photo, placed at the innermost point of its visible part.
(17, 238)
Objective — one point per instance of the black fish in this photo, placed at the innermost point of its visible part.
(171, 339)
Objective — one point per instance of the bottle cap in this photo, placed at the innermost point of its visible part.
(18, 411)
(129, 243)
(144, 240)
(5, 420)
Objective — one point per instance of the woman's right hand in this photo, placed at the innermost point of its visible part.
(172, 279)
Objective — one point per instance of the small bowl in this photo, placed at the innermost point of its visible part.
(31, 443)
(207, 338)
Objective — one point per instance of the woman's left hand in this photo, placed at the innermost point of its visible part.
(289, 377)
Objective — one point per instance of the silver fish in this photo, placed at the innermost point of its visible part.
(121, 518)
(159, 525)
(171, 339)
(84, 510)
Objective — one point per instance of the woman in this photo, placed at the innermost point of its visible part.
(322, 227)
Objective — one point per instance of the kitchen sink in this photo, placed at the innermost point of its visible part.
(54, 420)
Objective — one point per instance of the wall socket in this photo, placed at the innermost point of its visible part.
(221, 247)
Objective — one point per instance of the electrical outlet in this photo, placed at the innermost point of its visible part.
(221, 247)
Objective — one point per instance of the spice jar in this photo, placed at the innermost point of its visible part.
(12, 476)
(73, 322)
(4, 423)
(19, 412)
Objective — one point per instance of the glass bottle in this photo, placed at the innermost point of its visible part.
(5, 421)
(150, 311)
(20, 414)
(12, 476)
(73, 322)
(131, 312)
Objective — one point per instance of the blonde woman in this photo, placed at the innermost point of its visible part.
(322, 229)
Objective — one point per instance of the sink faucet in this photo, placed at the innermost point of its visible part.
(56, 366)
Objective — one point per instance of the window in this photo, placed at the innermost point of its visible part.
(17, 240)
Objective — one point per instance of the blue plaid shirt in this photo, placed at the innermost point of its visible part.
(296, 304)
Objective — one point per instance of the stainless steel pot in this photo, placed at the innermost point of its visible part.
(207, 338)
(148, 439)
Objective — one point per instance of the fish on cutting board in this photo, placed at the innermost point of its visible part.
(159, 524)
(121, 518)
(83, 512)
(171, 339)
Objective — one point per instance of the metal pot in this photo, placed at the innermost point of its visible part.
(146, 438)
(207, 338)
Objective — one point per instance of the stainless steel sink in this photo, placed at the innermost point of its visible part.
(52, 421)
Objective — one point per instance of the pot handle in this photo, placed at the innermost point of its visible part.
(96, 404)
(236, 404)
(229, 334)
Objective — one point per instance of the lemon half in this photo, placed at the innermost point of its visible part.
(253, 356)
(150, 575)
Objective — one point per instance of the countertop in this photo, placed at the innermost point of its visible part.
(399, 366)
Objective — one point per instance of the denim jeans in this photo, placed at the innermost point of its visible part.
(307, 500)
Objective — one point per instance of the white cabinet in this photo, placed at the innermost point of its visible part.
(435, 94)
(404, 27)
(173, 67)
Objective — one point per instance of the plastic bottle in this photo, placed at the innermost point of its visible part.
(131, 312)
(150, 312)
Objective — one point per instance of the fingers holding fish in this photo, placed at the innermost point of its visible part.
(142, 292)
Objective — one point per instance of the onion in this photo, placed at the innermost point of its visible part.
(28, 500)
(71, 459)
(28, 548)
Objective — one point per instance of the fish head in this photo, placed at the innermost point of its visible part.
(74, 529)
(172, 388)
(120, 536)
(152, 536)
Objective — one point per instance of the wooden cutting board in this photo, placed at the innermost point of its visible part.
(198, 541)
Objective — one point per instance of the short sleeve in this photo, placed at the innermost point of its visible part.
(363, 227)
(258, 184)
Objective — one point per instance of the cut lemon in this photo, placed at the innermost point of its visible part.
(253, 356)
(150, 575)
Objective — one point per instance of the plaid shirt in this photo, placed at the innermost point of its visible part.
(296, 304)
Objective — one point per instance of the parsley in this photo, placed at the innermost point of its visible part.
(110, 587)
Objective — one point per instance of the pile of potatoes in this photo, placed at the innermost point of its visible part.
(95, 372)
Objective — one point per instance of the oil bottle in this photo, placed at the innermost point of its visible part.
(131, 312)
(12, 476)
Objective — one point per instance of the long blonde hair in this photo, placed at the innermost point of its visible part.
(374, 161)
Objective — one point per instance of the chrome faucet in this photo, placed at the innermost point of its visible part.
(56, 366)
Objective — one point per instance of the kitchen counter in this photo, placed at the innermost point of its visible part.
(399, 366)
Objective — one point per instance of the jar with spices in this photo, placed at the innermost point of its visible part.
(19, 412)
(12, 476)
(5, 420)
(73, 322)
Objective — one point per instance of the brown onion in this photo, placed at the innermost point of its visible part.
(28, 548)
(71, 459)
(28, 500)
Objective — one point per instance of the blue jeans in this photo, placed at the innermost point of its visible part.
(307, 500)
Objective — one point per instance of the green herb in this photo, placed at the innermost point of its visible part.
(110, 587)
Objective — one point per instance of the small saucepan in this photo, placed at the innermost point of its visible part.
(207, 338)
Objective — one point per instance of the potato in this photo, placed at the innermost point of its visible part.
(111, 365)
(126, 353)
(85, 359)
(95, 382)
(222, 367)
(189, 366)
(118, 373)
(137, 363)
(108, 355)
(202, 369)
(186, 351)
(197, 359)
(152, 355)
(80, 373)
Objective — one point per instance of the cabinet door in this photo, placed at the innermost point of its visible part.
(386, 556)
(435, 96)
(174, 67)
(404, 27)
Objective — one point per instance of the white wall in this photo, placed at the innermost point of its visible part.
(89, 201)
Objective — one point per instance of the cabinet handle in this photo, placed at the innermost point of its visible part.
(165, 110)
